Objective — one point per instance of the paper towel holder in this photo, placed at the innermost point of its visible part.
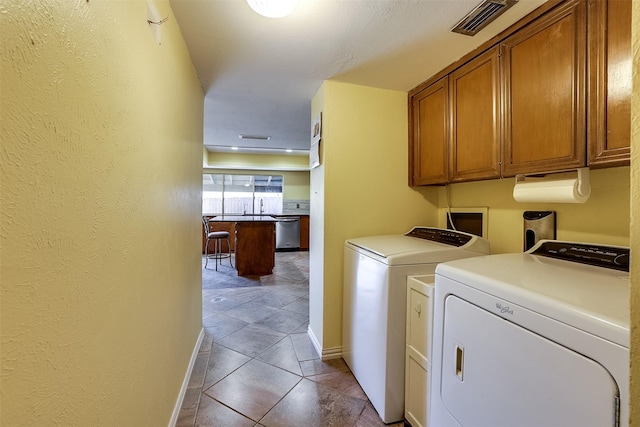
(554, 187)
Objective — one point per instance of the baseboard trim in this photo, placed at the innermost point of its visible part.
(327, 353)
(185, 381)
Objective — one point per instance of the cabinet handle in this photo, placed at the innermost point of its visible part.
(418, 309)
(459, 365)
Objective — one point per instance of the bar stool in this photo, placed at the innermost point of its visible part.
(217, 237)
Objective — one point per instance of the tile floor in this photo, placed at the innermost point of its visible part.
(256, 365)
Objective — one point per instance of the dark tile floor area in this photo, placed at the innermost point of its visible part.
(257, 366)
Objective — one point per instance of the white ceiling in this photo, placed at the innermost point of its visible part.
(260, 74)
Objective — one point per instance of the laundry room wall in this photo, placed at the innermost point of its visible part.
(603, 218)
(289, 162)
(100, 175)
(359, 189)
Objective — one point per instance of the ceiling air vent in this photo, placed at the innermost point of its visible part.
(482, 16)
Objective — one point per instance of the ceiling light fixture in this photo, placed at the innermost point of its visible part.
(273, 8)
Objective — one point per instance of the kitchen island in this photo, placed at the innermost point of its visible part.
(254, 243)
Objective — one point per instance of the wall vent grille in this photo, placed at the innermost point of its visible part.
(481, 16)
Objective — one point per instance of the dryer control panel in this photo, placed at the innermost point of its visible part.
(614, 257)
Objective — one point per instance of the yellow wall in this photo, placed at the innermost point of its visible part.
(603, 218)
(257, 161)
(634, 398)
(99, 213)
(296, 185)
(363, 179)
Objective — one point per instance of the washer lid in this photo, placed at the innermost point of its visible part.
(397, 249)
(594, 299)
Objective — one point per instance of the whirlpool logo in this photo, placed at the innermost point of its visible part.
(504, 309)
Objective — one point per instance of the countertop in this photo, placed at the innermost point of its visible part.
(243, 218)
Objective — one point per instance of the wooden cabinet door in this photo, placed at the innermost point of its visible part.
(544, 67)
(475, 119)
(610, 62)
(429, 134)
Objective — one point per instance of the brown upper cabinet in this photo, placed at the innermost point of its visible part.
(544, 70)
(610, 82)
(548, 94)
(429, 122)
(474, 95)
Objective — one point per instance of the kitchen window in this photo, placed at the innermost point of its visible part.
(230, 194)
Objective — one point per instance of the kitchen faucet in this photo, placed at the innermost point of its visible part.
(261, 207)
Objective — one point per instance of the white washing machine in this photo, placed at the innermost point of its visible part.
(534, 339)
(375, 292)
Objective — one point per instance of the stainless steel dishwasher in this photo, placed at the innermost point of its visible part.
(287, 233)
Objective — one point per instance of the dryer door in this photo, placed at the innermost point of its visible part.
(496, 373)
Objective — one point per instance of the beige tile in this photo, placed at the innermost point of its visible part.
(250, 312)
(187, 415)
(205, 345)
(252, 340)
(284, 321)
(249, 388)
(317, 366)
(370, 418)
(303, 347)
(344, 382)
(212, 413)
(254, 388)
(199, 370)
(219, 326)
(283, 356)
(301, 305)
(275, 299)
(222, 362)
(313, 404)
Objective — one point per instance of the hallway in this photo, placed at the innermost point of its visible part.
(257, 366)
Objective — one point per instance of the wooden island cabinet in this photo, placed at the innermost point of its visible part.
(253, 239)
(255, 247)
(304, 232)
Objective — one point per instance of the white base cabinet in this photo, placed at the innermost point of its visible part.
(418, 349)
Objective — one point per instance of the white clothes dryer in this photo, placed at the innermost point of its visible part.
(534, 339)
(374, 304)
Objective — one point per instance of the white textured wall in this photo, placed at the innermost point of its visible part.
(317, 231)
(100, 175)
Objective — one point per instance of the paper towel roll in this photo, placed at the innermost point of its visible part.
(553, 188)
